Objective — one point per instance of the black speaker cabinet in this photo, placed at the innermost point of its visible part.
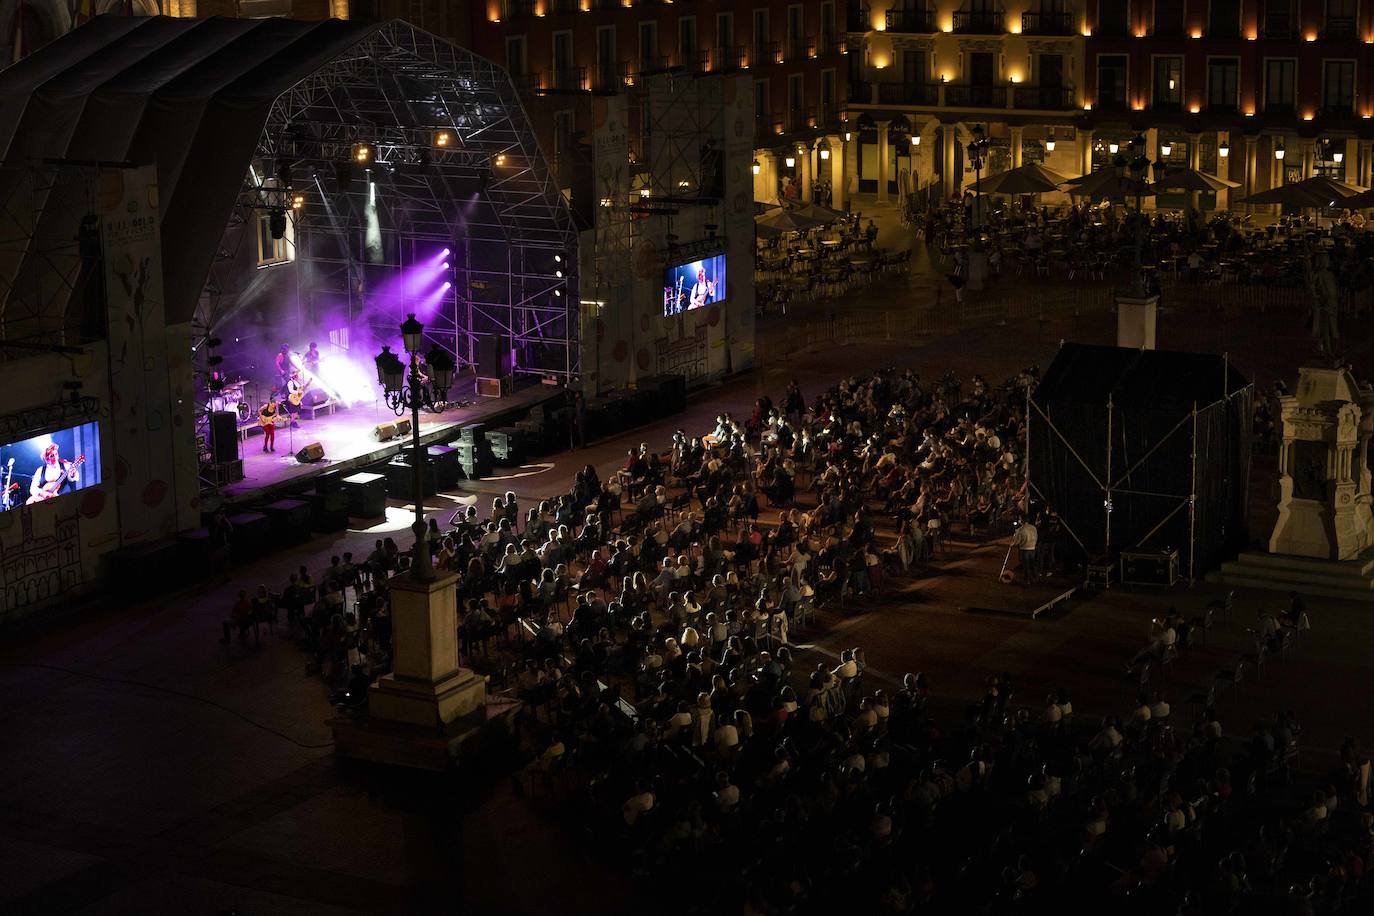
(493, 356)
(400, 479)
(447, 464)
(311, 453)
(289, 520)
(224, 435)
(251, 535)
(366, 494)
(328, 509)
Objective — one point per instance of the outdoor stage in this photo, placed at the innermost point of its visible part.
(979, 591)
(349, 444)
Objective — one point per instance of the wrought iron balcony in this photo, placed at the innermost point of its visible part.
(957, 95)
(569, 79)
(723, 60)
(918, 21)
(1339, 27)
(1048, 98)
(908, 94)
(980, 23)
(764, 53)
(1047, 24)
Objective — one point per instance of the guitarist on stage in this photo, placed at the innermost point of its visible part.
(53, 476)
(267, 416)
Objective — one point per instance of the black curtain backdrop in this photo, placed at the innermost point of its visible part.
(1112, 419)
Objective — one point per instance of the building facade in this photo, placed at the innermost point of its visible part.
(922, 74)
(1256, 91)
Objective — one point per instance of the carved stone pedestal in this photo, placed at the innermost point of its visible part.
(1324, 502)
(421, 713)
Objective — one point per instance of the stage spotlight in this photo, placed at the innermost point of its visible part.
(445, 253)
(276, 222)
(364, 153)
(297, 201)
(558, 259)
(446, 285)
(445, 265)
(558, 274)
(443, 139)
(283, 173)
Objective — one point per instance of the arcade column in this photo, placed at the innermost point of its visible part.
(883, 153)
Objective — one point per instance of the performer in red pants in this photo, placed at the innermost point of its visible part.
(267, 416)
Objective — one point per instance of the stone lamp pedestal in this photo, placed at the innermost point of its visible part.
(1324, 502)
(1135, 321)
(420, 713)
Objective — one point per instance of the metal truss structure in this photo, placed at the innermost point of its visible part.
(486, 193)
(50, 259)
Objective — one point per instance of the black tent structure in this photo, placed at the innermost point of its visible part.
(1143, 450)
(253, 118)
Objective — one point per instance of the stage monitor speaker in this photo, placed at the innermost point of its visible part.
(492, 387)
(403, 426)
(384, 431)
(311, 453)
(224, 433)
(493, 356)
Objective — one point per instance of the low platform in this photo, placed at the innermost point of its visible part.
(1351, 580)
(349, 443)
(981, 591)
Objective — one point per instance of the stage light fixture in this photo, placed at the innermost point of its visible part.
(284, 173)
(444, 266)
(364, 153)
(558, 274)
(276, 222)
(558, 259)
(443, 139)
(447, 285)
(297, 201)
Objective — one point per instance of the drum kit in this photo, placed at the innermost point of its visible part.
(238, 397)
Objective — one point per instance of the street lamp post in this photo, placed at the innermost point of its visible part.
(977, 148)
(1139, 165)
(408, 388)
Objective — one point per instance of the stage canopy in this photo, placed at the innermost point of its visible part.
(1143, 449)
(236, 112)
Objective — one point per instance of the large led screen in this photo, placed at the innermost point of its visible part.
(693, 285)
(49, 466)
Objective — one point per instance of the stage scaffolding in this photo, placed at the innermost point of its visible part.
(487, 194)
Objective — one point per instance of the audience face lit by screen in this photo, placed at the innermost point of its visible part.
(47, 467)
(694, 285)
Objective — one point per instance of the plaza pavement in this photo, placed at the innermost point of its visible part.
(149, 769)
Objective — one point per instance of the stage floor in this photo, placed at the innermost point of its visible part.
(349, 445)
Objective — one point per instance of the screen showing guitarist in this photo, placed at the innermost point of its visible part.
(54, 476)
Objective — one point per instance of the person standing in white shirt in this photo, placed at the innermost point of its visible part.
(1024, 540)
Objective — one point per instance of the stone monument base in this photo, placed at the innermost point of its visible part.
(1135, 321)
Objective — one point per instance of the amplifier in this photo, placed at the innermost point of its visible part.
(492, 387)
(1152, 567)
(403, 426)
(384, 431)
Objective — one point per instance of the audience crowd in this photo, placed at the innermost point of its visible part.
(646, 621)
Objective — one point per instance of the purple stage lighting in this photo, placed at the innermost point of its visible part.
(444, 253)
(445, 265)
(446, 285)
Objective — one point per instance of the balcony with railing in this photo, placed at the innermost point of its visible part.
(979, 22)
(1337, 112)
(828, 115)
(917, 21)
(569, 79)
(856, 17)
(1046, 98)
(799, 47)
(859, 91)
(828, 43)
(1339, 27)
(1110, 103)
(767, 127)
(723, 60)
(562, 7)
(965, 96)
(1047, 24)
(908, 94)
(648, 65)
(797, 120)
(764, 53)
(610, 76)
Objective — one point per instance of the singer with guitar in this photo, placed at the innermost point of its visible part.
(268, 416)
(703, 291)
(53, 476)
